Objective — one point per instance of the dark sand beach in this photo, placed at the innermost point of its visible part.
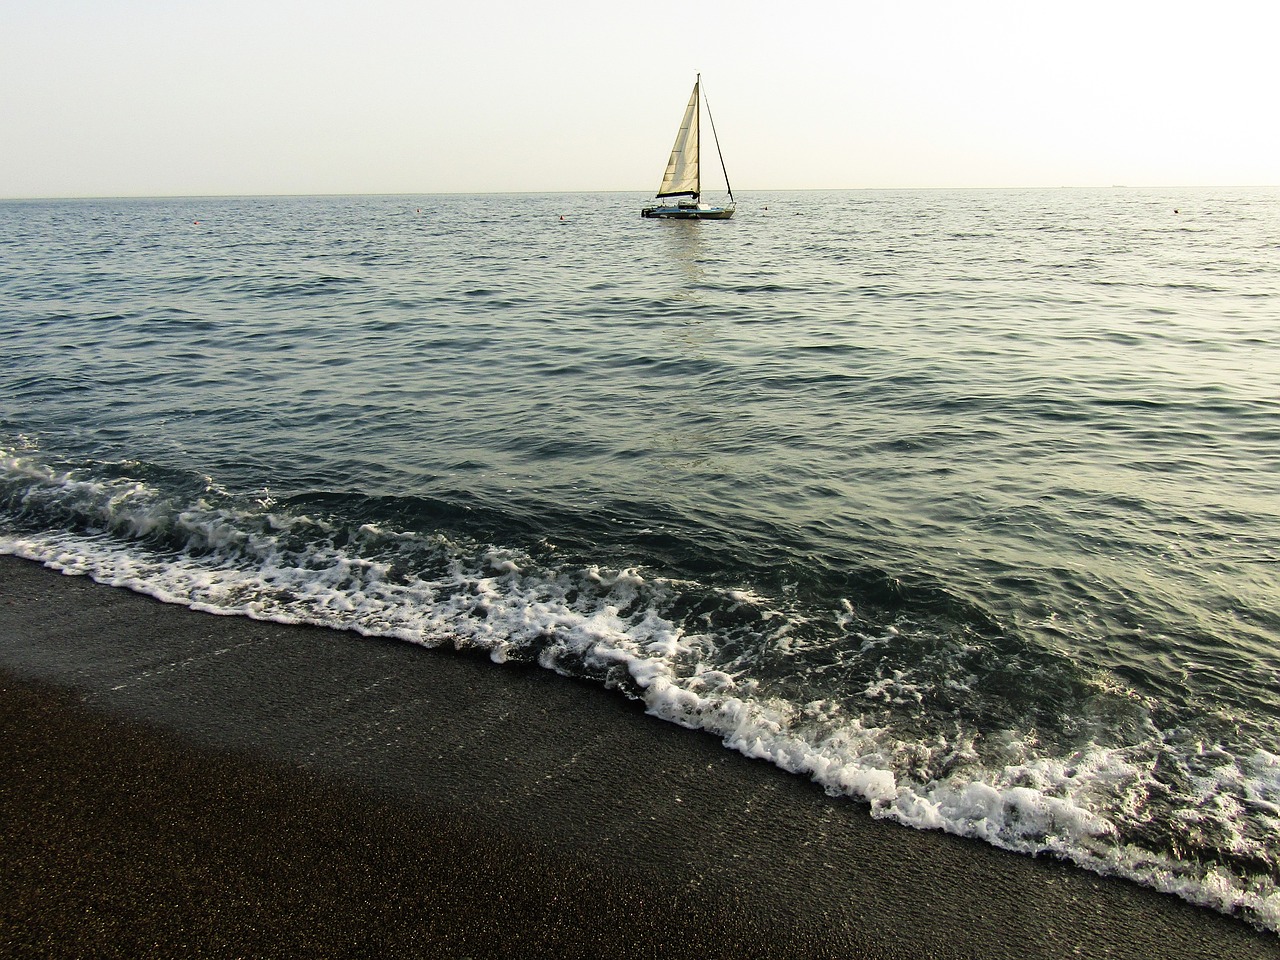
(175, 783)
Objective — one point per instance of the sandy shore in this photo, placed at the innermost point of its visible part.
(180, 784)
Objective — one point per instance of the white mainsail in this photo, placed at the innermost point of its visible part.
(681, 177)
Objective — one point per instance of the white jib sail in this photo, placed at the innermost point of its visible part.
(681, 176)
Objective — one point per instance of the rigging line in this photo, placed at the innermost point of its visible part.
(716, 137)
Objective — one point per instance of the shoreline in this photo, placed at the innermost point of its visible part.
(179, 782)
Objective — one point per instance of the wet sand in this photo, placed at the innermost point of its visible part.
(177, 783)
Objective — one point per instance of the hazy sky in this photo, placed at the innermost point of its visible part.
(183, 97)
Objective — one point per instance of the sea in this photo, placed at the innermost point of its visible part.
(964, 504)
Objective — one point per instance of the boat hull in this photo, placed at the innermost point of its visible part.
(687, 213)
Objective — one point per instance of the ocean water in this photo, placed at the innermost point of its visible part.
(964, 504)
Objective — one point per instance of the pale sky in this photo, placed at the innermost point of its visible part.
(209, 97)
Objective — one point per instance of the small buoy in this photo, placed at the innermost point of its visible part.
(195, 222)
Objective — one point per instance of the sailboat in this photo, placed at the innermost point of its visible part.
(683, 177)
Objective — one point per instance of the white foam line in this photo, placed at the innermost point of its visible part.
(1041, 805)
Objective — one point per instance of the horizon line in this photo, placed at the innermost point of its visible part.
(510, 193)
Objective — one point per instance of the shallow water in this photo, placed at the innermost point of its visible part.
(966, 504)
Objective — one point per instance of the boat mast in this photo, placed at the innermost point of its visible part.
(716, 137)
(697, 92)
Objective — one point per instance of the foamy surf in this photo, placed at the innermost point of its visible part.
(827, 719)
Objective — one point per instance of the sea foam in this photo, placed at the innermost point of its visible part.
(221, 557)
